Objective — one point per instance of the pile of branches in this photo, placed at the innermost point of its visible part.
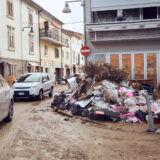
(105, 72)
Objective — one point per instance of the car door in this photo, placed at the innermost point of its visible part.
(44, 81)
(4, 98)
(46, 85)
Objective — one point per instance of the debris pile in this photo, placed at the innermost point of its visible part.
(104, 92)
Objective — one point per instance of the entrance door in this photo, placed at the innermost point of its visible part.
(67, 72)
(152, 67)
(114, 60)
(126, 63)
(139, 66)
(58, 74)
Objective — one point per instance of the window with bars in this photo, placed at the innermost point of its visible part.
(11, 38)
(31, 44)
(56, 53)
(10, 8)
(30, 17)
(46, 50)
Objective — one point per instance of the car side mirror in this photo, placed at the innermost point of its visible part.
(15, 81)
(44, 80)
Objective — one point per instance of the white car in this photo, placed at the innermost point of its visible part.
(32, 85)
(6, 101)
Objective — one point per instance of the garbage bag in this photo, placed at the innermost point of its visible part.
(76, 110)
(110, 113)
(111, 95)
(141, 115)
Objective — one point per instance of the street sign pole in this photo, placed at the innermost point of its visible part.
(150, 118)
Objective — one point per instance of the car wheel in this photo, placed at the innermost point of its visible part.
(40, 96)
(51, 92)
(10, 112)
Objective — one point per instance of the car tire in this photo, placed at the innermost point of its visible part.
(51, 92)
(10, 112)
(40, 96)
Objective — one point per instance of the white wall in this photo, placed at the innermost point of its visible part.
(76, 47)
(67, 61)
(5, 53)
(25, 35)
(16, 23)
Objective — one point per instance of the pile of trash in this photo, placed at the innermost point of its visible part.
(104, 92)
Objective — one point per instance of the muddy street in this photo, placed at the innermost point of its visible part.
(38, 133)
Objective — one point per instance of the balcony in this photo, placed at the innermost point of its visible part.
(65, 42)
(146, 29)
(51, 37)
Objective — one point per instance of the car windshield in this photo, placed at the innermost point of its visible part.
(30, 78)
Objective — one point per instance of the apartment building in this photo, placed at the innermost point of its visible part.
(125, 34)
(51, 42)
(67, 54)
(78, 60)
(19, 37)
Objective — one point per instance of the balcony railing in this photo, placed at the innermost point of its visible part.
(124, 35)
(124, 25)
(65, 42)
(50, 34)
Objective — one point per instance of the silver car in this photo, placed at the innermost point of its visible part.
(6, 101)
(32, 85)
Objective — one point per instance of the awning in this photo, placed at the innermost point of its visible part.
(33, 64)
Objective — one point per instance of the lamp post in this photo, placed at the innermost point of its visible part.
(31, 32)
(68, 10)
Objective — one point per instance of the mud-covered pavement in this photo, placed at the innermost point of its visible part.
(37, 133)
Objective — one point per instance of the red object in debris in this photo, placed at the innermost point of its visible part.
(85, 51)
(100, 112)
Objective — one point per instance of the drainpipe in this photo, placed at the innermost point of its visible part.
(71, 55)
(85, 33)
(61, 57)
(21, 35)
(39, 40)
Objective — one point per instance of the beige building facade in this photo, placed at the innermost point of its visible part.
(51, 45)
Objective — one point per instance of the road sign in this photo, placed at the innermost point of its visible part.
(85, 50)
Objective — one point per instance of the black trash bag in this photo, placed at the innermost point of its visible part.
(58, 99)
(76, 110)
(158, 114)
(85, 113)
(141, 115)
(96, 113)
(59, 102)
(147, 87)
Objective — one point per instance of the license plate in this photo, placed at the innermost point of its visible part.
(21, 93)
(100, 112)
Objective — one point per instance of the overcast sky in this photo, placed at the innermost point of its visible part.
(55, 7)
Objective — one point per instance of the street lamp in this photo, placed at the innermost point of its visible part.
(31, 31)
(66, 7)
(68, 10)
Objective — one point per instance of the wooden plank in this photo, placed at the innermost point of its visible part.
(152, 68)
(126, 63)
(139, 66)
(114, 60)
